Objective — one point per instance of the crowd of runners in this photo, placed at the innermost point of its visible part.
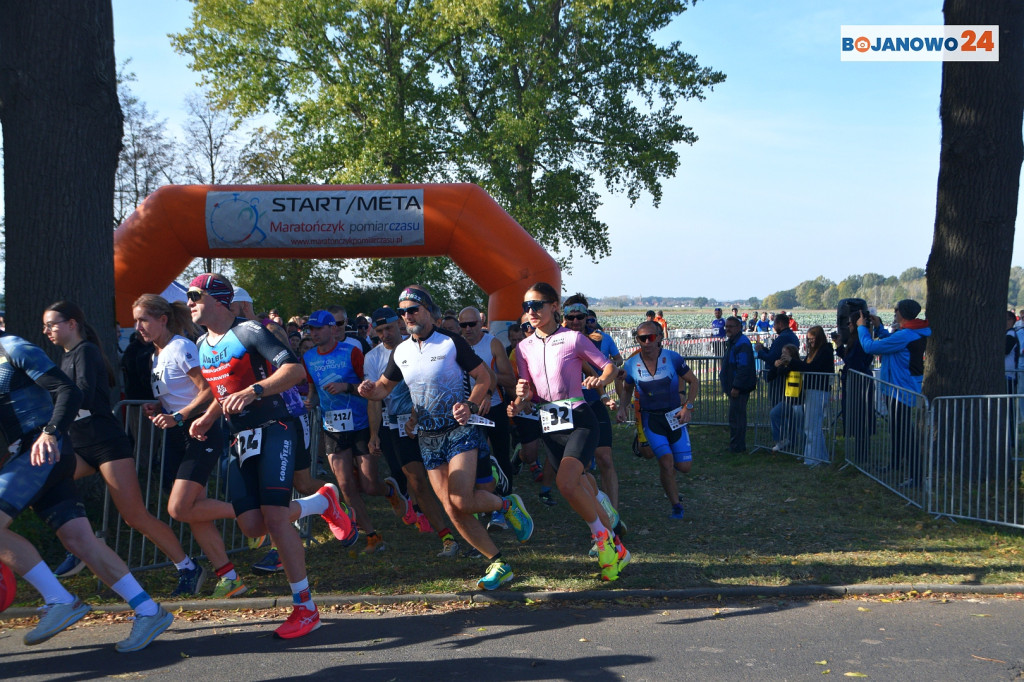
(433, 392)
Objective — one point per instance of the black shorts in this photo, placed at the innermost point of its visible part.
(406, 449)
(303, 453)
(265, 479)
(48, 489)
(528, 429)
(604, 423)
(357, 441)
(578, 442)
(188, 459)
(119, 447)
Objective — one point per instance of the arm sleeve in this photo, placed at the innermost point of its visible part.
(391, 372)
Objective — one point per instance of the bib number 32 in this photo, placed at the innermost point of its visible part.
(556, 416)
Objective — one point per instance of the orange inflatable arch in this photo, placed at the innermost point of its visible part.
(180, 222)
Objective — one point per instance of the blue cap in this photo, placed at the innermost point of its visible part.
(320, 318)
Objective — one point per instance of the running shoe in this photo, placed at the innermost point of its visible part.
(399, 502)
(338, 517)
(71, 565)
(227, 588)
(190, 581)
(411, 516)
(497, 522)
(498, 573)
(519, 518)
(301, 622)
(624, 557)
(54, 618)
(258, 541)
(607, 556)
(271, 563)
(593, 550)
(451, 548)
(621, 528)
(546, 497)
(472, 552)
(423, 524)
(537, 471)
(144, 630)
(677, 512)
(374, 544)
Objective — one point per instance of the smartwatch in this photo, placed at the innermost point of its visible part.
(473, 407)
(50, 430)
(178, 419)
(257, 391)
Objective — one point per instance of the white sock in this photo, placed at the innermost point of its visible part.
(314, 504)
(596, 527)
(42, 578)
(185, 564)
(301, 596)
(131, 591)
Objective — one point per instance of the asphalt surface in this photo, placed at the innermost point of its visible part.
(773, 637)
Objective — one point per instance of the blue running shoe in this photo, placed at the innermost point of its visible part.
(190, 581)
(498, 573)
(54, 618)
(271, 563)
(677, 512)
(519, 518)
(497, 522)
(144, 630)
(71, 565)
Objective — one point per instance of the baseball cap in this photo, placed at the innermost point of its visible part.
(241, 296)
(321, 318)
(384, 316)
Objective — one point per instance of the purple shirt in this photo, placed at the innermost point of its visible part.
(554, 364)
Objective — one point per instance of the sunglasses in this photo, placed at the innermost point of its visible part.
(195, 295)
(467, 324)
(526, 327)
(534, 306)
(646, 338)
(575, 318)
(411, 310)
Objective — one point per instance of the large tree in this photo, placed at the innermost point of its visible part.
(534, 101)
(62, 132)
(981, 110)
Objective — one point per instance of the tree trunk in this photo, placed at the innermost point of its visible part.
(62, 134)
(981, 108)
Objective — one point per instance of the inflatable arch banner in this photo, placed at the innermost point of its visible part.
(180, 222)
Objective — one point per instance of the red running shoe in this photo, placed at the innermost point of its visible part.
(338, 517)
(301, 622)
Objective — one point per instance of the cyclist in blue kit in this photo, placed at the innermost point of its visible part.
(37, 467)
(236, 357)
(657, 375)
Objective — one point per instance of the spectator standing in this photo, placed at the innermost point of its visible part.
(718, 324)
(738, 380)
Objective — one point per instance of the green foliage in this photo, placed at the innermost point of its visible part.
(781, 300)
(291, 286)
(532, 101)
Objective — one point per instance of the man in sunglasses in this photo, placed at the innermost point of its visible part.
(492, 353)
(432, 363)
(236, 357)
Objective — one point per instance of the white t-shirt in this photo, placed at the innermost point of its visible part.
(172, 385)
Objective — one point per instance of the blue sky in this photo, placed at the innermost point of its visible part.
(805, 166)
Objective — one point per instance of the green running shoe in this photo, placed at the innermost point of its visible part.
(519, 518)
(226, 588)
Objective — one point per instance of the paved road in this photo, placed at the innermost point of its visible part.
(768, 639)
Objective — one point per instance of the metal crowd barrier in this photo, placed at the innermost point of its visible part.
(803, 426)
(137, 550)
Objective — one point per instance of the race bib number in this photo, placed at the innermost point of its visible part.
(337, 421)
(673, 419)
(248, 443)
(556, 416)
(479, 421)
(403, 419)
(384, 414)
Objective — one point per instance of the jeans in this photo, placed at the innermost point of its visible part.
(786, 421)
(814, 415)
(738, 422)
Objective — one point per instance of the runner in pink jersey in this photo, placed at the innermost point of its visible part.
(550, 365)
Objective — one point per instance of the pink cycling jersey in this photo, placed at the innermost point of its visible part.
(554, 364)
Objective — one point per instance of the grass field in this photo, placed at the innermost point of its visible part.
(752, 519)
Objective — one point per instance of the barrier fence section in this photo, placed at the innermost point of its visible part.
(797, 414)
(156, 479)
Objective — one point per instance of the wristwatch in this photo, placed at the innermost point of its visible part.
(178, 419)
(689, 406)
(473, 407)
(257, 391)
(50, 430)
